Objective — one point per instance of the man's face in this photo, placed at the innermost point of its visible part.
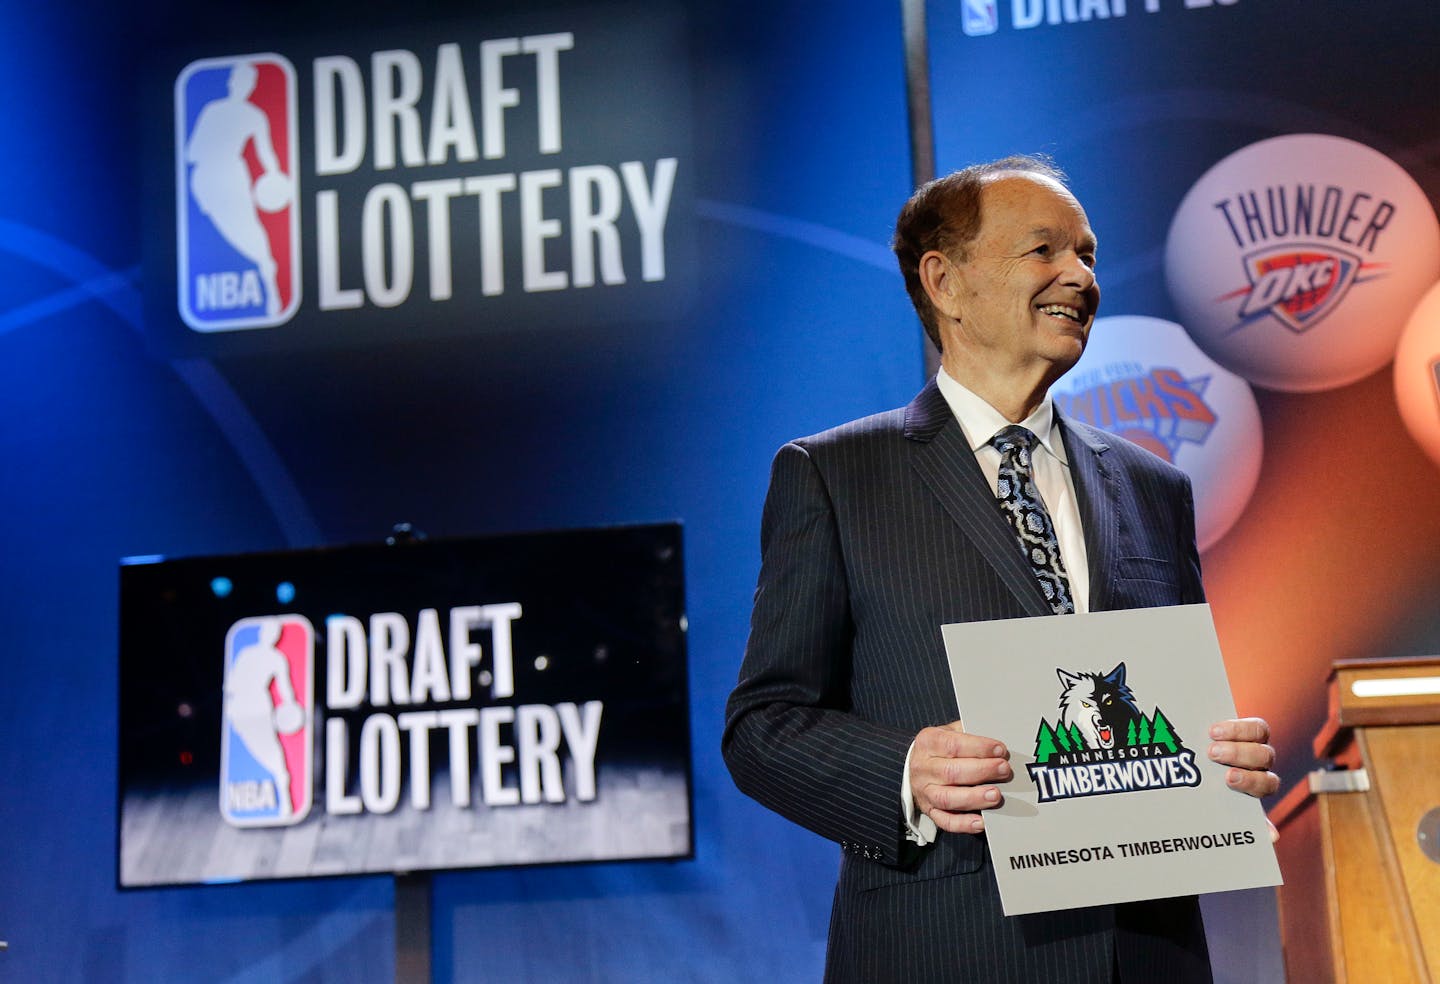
(1026, 295)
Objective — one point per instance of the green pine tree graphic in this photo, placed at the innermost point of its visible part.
(1162, 733)
(1045, 743)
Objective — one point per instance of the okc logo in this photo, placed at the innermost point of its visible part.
(1298, 285)
(237, 212)
(265, 770)
(1160, 410)
(1295, 262)
(1101, 743)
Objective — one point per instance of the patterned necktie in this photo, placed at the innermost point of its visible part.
(1022, 505)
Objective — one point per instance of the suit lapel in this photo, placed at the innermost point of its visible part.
(944, 461)
(1097, 494)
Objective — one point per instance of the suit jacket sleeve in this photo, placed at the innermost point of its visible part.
(791, 740)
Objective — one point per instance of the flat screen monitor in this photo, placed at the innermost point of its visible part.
(467, 703)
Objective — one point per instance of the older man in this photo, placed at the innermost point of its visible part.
(882, 530)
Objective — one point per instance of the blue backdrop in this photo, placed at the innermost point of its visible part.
(795, 164)
(111, 450)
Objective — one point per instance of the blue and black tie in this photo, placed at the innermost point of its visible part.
(1020, 501)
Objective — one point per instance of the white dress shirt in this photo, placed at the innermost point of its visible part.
(1051, 467)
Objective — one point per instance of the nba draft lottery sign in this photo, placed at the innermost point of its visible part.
(1111, 805)
(442, 179)
(979, 18)
(347, 709)
(374, 666)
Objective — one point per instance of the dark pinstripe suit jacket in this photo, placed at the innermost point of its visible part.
(875, 534)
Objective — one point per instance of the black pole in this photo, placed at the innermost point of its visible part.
(922, 131)
(412, 929)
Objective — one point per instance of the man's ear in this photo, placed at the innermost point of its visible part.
(939, 278)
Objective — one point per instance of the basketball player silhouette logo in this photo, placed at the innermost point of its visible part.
(265, 770)
(237, 207)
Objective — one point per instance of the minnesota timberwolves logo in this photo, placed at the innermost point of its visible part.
(1102, 743)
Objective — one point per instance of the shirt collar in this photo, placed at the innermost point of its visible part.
(980, 421)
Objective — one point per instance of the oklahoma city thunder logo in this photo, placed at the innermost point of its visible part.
(1101, 743)
(237, 212)
(1294, 262)
(266, 740)
(1297, 285)
(1160, 410)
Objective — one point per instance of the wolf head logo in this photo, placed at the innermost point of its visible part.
(1102, 744)
(1102, 707)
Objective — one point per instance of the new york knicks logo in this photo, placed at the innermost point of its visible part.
(1146, 380)
(1158, 409)
(266, 729)
(236, 204)
(1102, 743)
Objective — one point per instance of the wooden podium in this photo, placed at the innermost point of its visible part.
(1360, 843)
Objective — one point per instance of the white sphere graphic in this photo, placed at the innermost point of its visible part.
(1147, 381)
(1417, 374)
(1296, 260)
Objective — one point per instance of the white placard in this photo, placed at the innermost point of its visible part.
(1107, 719)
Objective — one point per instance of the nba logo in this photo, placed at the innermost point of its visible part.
(237, 210)
(267, 725)
(978, 17)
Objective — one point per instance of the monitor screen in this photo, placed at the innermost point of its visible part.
(499, 701)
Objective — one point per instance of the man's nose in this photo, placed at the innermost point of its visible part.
(1076, 273)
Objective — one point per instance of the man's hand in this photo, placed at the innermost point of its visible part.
(950, 772)
(1244, 746)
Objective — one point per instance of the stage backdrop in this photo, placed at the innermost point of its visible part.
(1262, 177)
(688, 208)
(1263, 180)
(748, 160)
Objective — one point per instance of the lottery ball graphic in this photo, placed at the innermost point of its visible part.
(1417, 374)
(1145, 379)
(1296, 261)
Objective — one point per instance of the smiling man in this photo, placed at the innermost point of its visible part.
(977, 501)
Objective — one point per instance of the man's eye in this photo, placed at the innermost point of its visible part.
(1088, 259)
(1043, 250)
